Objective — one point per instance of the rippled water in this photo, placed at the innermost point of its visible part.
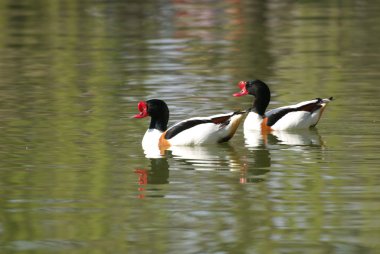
(73, 175)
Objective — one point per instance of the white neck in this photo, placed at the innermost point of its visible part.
(151, 138)
(253, 121)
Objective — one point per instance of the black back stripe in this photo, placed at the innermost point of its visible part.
(311, 107)
(273, 118)
(173, 131)
(222, 121)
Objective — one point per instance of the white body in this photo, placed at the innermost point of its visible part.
(292, 120)
(206, 133)
(150, 139)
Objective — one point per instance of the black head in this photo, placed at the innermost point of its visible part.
(258, 89)
(157, 110)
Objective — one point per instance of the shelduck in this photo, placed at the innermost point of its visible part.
(303, 115)
(194, 131)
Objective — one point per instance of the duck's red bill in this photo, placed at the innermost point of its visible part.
(243, 89)
(143, 108)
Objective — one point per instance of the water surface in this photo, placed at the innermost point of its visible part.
(73, 175)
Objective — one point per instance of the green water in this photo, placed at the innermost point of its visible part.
(73, 175)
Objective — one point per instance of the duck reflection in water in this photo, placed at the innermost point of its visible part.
(308, 137)
(258, 162)
(262, 143)
(223, 158)
(253, 165)
(157, 174)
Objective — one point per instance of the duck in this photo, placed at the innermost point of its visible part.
(302, 115)
(190, 132)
